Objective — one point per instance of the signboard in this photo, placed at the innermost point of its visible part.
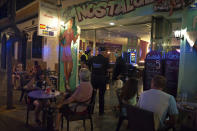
(110, 8)
(171, 72)
(166, 5)
(153, 66)
(48, 20)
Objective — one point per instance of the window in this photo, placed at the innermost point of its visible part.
(3, 9)
(3, 52)
(22, 3)
(37, 46)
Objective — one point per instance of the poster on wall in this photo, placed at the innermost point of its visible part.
(47, 20)
(69, 46)
(153, 66)
(172, 72)
(171, 5)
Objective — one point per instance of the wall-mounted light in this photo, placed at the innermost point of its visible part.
(179, 34)
(190, 36)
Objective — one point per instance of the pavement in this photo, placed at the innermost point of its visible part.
(14, 119)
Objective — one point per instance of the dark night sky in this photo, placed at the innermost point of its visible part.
(19, 4)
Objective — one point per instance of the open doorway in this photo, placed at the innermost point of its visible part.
(130, 35)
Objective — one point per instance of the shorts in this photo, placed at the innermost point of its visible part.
(66, 54)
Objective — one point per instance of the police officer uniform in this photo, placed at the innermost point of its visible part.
(85, 58)
(99, 65)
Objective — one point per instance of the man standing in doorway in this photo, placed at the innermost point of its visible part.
(99, 66)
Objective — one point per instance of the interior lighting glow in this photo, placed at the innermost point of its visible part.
(141, 61)
(62, 23)
(112, 23)
(177, 33)
(178, 50)
(54, 22)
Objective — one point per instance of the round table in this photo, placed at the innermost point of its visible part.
(40, 94)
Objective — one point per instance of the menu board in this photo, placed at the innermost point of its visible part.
(171, 72)
(153, 66)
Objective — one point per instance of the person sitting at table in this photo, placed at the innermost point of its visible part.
(16, 76)
(39, 81)
(159, 102)
(83, 93)
(129, 92)
(37, 68)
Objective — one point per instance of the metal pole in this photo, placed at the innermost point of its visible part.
(9, 74)
(94, 44)
(152, 32)
(10, 42)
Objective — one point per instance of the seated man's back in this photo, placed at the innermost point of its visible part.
(157, 101)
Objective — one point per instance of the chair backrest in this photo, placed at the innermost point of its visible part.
(92, 102)
(23, 79)
(139, 119)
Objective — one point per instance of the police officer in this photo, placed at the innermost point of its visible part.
(85, 58)
(99, 66)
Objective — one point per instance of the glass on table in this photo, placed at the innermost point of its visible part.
(53, 90)
(48, 90)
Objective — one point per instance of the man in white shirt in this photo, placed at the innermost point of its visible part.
(159, 102)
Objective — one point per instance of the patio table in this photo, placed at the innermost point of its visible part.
(43, 96)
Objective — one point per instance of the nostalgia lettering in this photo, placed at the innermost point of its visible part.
(108, 8)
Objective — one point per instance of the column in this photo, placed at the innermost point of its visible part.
(188, 59)
(162, 29)
(94, 44)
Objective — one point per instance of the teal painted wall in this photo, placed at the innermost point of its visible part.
(188, 60)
